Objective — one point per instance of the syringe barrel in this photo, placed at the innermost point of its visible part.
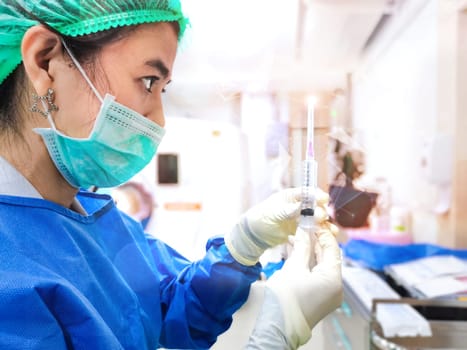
(309, 185)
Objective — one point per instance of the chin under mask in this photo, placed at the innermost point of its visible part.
(121, 144)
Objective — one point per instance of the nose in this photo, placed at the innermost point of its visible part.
(156, 113)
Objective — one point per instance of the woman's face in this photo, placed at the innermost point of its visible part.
(135, 70)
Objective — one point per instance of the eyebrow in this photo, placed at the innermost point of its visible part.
(159, 65)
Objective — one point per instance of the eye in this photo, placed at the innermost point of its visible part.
(149, 82)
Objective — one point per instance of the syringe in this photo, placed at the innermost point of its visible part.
(309, 181)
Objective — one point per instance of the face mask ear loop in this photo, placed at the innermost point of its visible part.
(81, 70)
(49, 115)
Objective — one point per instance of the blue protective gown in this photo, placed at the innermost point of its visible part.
(96, 281)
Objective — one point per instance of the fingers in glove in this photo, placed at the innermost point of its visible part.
(322, 198)
(320, 215)
(301, 247)
(301, 238)
(333, 228)
(291, 210)
(329, 251)
(291, 195)
(325, 225)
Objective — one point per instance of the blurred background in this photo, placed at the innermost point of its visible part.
(390, 79)
(389, 117)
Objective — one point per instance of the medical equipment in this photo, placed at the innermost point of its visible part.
(309, 179)
(358, 323)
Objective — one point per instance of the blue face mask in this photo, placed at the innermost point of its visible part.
(121, 144)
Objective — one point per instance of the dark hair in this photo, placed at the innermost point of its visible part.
(85, 48)
(10, 100)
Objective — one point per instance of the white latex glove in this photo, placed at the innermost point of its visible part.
(268, 224)
(296, 299)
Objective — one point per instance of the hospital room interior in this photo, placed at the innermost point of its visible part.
(377, 89)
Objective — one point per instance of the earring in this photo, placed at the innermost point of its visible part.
(48, 99)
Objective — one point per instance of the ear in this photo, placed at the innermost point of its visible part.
(38, 48)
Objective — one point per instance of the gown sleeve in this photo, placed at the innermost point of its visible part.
(199, 298)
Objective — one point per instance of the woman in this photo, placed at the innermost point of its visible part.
(80, 106)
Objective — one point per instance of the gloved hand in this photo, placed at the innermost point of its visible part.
(296, 299)
(270, 223)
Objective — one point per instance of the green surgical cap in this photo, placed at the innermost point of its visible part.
(75, 18)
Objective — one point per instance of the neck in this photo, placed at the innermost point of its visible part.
(30, 157)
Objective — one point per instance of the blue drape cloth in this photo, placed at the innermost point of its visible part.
(377, 256)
